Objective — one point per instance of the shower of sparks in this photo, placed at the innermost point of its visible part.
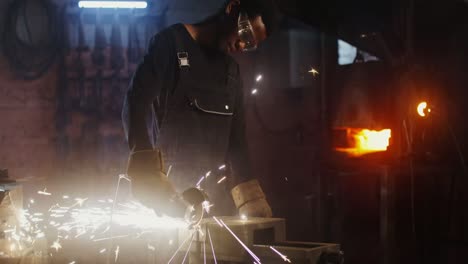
(70, 218)
(222, 179)
(254, 91)
(180, 247)
(212, 247)
(259, 78)
(188, 249)
(257, 259)
(73, 262)
(284, 257)
(83, 218)
(130, 214)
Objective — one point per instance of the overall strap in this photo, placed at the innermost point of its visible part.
(181, 51)
(163, 103)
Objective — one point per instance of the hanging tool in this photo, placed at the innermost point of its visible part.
(98, 57)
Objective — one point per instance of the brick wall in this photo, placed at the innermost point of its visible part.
(27, 118)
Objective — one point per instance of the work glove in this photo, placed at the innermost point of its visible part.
(151, 186)
(250, 200)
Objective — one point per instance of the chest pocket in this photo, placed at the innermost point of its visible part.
(212, 103)
(205, 94)
(217, 98)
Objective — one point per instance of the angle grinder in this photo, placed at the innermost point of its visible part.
(197, 202)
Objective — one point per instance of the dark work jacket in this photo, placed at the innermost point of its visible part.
(194, 114)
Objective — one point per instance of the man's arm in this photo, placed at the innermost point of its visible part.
(238, 154)
(143, 108)
(147, 94)
(247, 194)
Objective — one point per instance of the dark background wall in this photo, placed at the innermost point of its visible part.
(27, 114)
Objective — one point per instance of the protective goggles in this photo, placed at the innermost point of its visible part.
(246, 33)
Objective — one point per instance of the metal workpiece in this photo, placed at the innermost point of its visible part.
(299, 253)
(225, 246)
(264, 237)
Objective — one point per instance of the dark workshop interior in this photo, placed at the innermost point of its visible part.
(354, 121)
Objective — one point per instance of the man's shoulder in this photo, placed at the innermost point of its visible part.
(165, 36)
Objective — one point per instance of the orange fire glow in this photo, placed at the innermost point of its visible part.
(364, 141)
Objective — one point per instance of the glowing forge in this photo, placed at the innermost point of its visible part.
(363, 141)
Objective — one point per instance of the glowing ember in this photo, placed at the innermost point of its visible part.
(364, 141)
(44, 192)
(222, 179)
(313, 71)
(200, 181)
(117, 250)
(206, 206)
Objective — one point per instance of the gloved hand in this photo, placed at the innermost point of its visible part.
(151, 186)
(250, 200)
